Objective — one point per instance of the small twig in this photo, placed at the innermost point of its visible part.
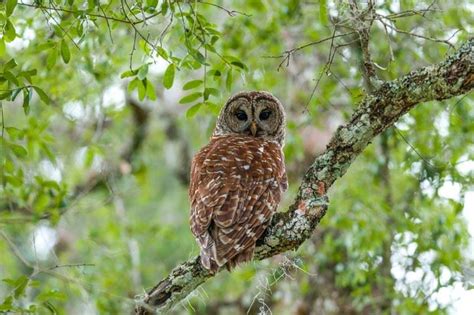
(108, 24)
(339, 80)
(443, 41)
(102, 16)
(325, 70)
(15, 250)
(3, 161)
(231, 13)
(71, 266)
(363, 21)
(46, 12)
(165, 30)
(147, 18)
(457, 103)
(153, 47)
(429, 8)
(390, 48)
(408, 13)
(414, 149)
(186, 39)
(129, 9)
(287, 54)
(133, 50)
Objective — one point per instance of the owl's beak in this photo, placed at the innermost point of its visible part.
(253, 128)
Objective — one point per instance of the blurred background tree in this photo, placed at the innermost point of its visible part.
(103, 104)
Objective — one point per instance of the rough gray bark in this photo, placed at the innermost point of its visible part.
(374, 114)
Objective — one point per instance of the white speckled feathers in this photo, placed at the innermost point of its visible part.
(236, 186)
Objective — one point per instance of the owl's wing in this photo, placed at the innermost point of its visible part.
(236, 185)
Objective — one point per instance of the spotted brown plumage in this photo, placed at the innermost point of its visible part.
(236, 185)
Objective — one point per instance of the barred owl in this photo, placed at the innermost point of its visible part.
(237, 179)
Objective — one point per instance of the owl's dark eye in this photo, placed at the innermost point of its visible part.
(265, 114)
(241, 115)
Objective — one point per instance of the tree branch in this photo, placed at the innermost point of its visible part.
(362, 21)
(86, 13)
(374, 114)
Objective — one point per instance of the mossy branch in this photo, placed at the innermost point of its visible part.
(374, 114)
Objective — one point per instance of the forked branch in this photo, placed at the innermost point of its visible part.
(374, 114)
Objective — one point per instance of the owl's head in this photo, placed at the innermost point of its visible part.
(256, 114)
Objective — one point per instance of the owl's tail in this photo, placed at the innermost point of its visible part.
(209, 261)
(208, 253)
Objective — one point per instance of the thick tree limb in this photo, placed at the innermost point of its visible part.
(374, 114)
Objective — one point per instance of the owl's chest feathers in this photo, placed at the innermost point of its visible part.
(242, 157)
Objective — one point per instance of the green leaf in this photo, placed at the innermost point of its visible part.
(10, 282)
(133, 84)
(215, 73)
(150, 91)
(214, 39)
(20, 286)
(26, 109)
(10, 6)
(210, 91)
(213, 107)
(80, 28)
(198, 56)
(15, 93)
(164, 7)
(42, 202)
(323, 12)
(18, 150)
(14, 181)
(238, 64)
(228, 80)
(11, 77)
(161, 52)
(65, 53)
(28, 74)
(49, 295)
(89, 156)
(10, 65)
(91, 4)
(192, 84)
(141, 90)
(128, 73)
(168, 77)
(190, 98)
(7, 304)
(2, 47)
(193, 110)
(5, 95)
(26, 99)
(51, 59)
(42, 95)
(9, 166)
(50, 307)
(152, 3)
(142, 72)
(14, 132)
(9, 31)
